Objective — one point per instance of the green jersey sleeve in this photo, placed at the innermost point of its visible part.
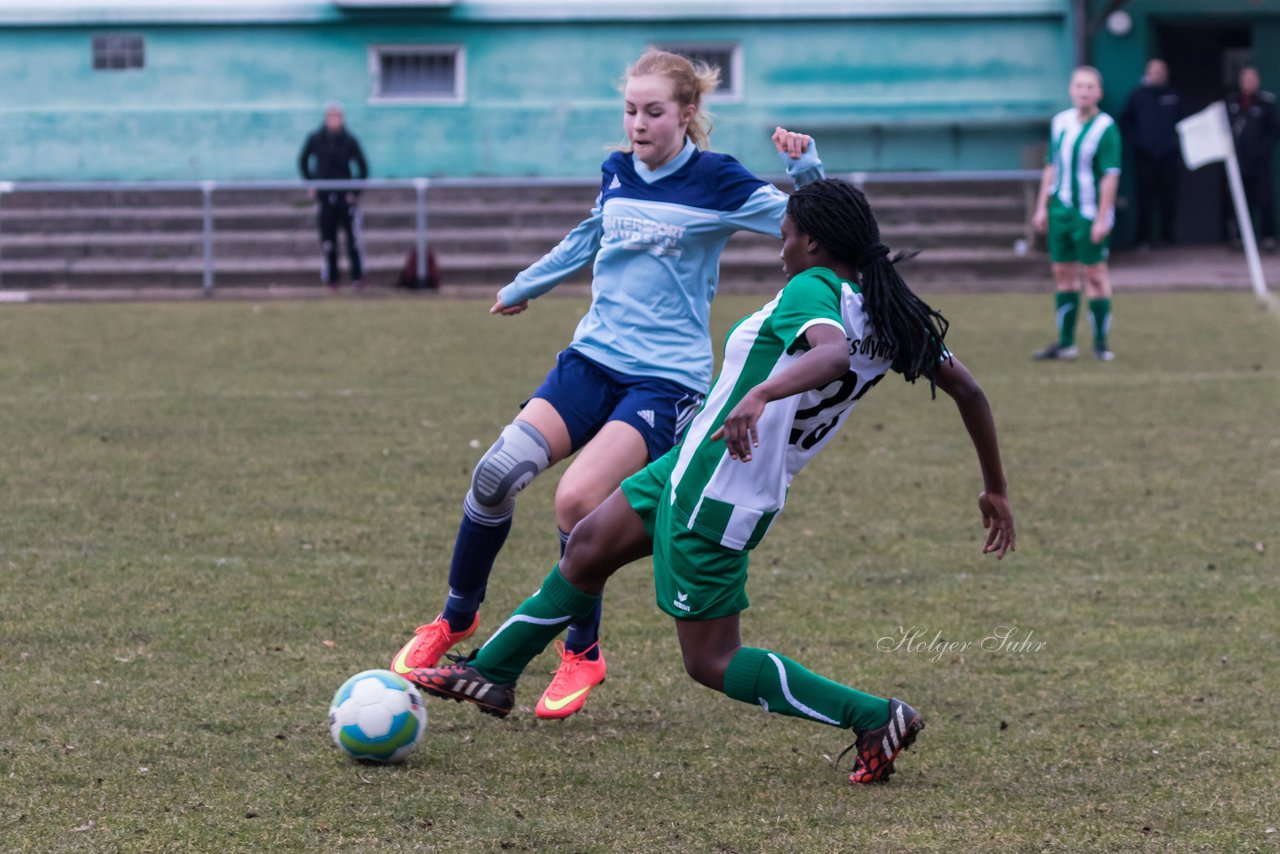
(1107, 159)
(810, 297)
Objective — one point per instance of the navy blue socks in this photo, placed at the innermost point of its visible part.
(474, 552)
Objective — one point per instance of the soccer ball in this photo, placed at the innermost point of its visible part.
(377, 716)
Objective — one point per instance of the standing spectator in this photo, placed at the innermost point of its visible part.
(1256, 129)
(1148, 124)
(327, 156)
(1076, 205)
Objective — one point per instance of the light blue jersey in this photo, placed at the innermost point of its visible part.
(656, 237)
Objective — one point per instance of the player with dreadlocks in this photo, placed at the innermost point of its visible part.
(792, 373)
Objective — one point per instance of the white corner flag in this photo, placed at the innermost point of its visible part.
(1206, 138)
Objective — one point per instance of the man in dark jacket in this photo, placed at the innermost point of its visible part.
(1256, 129)
(1148, 124)
(328, 155)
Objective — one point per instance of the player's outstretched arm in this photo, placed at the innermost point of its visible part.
(576, 250)
(826, 361)
(997, 513)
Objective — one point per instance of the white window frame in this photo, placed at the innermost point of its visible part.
(93, 51)
(734, 91)
(457, 51)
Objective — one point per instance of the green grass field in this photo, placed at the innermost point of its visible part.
(213, 514)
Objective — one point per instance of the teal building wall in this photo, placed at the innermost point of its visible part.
(230, 90)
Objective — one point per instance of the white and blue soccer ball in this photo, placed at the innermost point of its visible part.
(377, 716)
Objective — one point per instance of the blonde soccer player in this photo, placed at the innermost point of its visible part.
(640, 362)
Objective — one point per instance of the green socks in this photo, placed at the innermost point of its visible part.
(1100, 314)
(753, 676)
(1068, 309)
(758, 676)
(536, 623)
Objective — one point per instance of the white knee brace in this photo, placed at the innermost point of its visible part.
(519, 455)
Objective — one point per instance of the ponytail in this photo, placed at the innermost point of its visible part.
(836, 214)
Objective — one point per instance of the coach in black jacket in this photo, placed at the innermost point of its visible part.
(327, 156)
(1256, 129)
(1148, 124)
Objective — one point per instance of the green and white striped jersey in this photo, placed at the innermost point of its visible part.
(731, 502)
(1081, 153)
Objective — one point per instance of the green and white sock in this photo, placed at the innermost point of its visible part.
(534, 624)
(782, 686)
(1068, 309)
(1100, 314)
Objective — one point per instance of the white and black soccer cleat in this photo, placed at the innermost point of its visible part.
(464, 683)
(877, 748)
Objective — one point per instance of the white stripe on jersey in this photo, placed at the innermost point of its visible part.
(730, 371)
(1066, 129)
(1087, 204)
(759, 486)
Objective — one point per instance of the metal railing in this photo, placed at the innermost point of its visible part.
(420, 186)
(207, 189)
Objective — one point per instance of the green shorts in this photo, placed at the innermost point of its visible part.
(693, 577)
(1069, 239)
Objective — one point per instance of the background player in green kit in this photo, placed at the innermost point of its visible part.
(1077, 206)
(792, 373)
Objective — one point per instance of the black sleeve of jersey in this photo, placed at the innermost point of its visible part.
(1127, 114)
(304, 159)
(362, 165)
(1271, 121)
(1184, 109)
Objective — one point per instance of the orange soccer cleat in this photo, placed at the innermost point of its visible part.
(574, 679)
(429, 643)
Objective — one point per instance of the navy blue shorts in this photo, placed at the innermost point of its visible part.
(588, 395)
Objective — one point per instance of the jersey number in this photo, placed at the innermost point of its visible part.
(848, 383)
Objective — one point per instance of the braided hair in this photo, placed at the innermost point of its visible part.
(836, 215)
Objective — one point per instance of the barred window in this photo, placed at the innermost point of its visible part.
(727, 56)
(417, 72)
(118, 52)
